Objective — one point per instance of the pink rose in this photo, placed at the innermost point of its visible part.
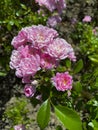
(29, 90)
(28, 67)
(19, 127)
(42, 36)
(54, 20)
(59, 49)
(21, 53)
(87, 18)
(62, 81)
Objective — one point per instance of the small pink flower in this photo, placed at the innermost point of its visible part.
(62, 81)
(19, 127)
(29, 90)
(48, 62)
(59, 49)
(54, 20)
(87, 18)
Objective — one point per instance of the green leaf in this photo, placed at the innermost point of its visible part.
(96, 83)
(95, 122)
(78, 67)
(94, 58)
(68, 63)
(3, 73)
(9, 27)
(23, 6)
(43, 114)
(68, 117)
(78, 87)
(11, 22)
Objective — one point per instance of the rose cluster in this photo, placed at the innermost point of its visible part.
(51, 5)
(35, 48)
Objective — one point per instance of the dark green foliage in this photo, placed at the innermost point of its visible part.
(86, 86)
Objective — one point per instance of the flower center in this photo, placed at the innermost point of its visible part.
(28, 91)
(40, 37)
(64, 82)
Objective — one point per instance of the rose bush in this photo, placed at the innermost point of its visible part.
(39, 49)
(61, 76)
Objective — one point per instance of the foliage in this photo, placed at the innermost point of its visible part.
(88, 41)
(17, 112)
(64, 114)
(86, 87)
